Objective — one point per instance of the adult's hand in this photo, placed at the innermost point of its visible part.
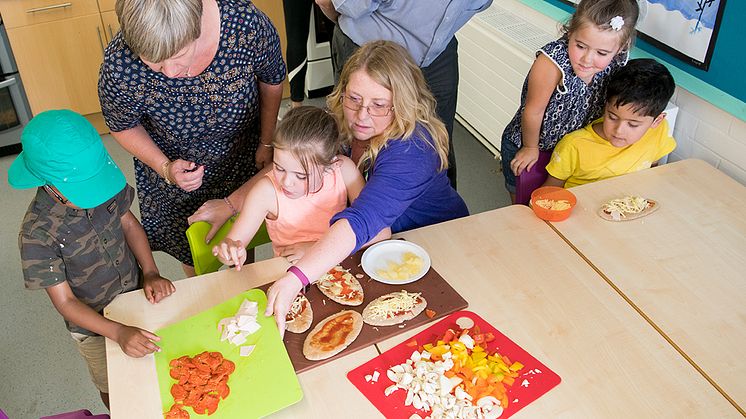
(216, 212)
(263, 157)
(186, 174)
(524, 159)
(280, 297)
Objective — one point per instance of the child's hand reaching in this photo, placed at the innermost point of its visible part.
(524, 159)
(294, 252)
(280, 297)
(231, 252)
(136, 342)
(157, 287)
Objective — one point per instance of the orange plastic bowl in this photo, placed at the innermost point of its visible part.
(554, 193)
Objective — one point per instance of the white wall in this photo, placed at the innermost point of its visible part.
(705, 132)
(495, 53)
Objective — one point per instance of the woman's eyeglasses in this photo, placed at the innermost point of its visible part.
(355, 104)
(56, 194)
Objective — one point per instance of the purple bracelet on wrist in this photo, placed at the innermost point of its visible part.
(301, 276)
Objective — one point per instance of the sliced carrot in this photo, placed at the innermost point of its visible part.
(430, 313)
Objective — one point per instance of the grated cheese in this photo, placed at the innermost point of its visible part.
(295, 309)
(396, 302)
(553, 205)
(617, 208)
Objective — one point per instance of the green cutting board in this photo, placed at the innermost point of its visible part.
(263, 383)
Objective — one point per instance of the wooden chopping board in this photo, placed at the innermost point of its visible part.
(440, 296)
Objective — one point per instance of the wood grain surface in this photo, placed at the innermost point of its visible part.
(683, 267)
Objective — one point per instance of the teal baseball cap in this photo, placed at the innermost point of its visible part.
(63, 149)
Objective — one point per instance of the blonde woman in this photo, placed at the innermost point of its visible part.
(192, 89)
(388, 114)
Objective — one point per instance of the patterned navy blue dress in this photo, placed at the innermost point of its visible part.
(211, 119)
(573, 104)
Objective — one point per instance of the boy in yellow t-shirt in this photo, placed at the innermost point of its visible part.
(632, 134)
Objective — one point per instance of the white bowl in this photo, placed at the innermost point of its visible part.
(377, 257)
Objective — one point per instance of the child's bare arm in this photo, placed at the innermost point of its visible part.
(352, 177)
(258, 204)
(542, 80)
(134, 341)
(155, 286)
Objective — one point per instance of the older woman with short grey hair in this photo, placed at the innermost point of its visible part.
(192, 89)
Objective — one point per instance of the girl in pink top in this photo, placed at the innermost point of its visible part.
(309, 183)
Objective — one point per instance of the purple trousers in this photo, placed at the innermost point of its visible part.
(532, 179)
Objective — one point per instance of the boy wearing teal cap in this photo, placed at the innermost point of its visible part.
(79, 241)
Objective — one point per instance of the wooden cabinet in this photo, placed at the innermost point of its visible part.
(106, 5)
(30, 12)
(274, 11)
(59, 44)
(110, 24)
(59, 63)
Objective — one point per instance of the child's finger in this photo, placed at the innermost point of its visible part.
(224, 253)
(150, 347)
(271, 296)
(235, 250)
(280, 320)
(149, 294)
(150, 335)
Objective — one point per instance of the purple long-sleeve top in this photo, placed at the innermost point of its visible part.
(405, 190)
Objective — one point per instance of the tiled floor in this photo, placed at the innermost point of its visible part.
(41, 372)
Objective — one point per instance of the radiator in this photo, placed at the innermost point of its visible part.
(496, 50)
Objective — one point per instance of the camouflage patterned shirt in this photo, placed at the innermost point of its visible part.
(85, 247)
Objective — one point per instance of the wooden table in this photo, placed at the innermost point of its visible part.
(516, 273)
(523, 279)
(133, 384)
(683, 267)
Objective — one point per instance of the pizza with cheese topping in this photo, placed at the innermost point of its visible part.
(341, 286)
(300, 316)
(394, 308)
(627, 208)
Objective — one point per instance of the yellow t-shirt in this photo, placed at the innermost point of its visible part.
(582, 156)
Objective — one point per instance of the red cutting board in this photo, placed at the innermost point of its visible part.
(540, 379)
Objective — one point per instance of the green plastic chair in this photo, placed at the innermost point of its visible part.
(204, 261)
